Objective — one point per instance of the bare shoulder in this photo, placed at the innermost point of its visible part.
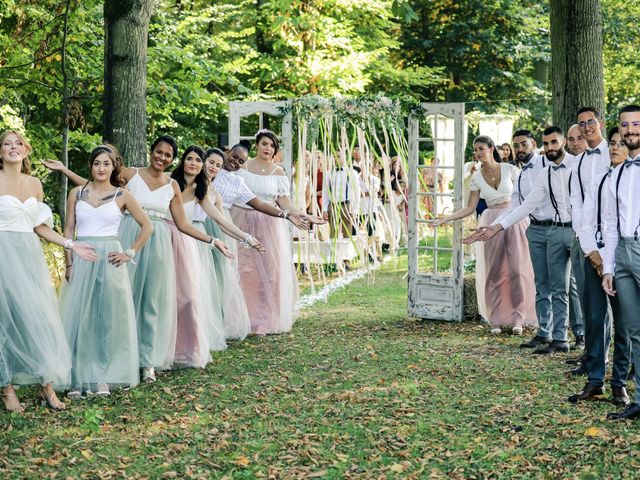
(279, 171)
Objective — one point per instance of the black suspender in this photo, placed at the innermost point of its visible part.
(618, 196)
(554, 203)
(599, 237)
(580, 175)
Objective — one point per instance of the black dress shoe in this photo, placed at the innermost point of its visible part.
(578, 360)
(579, 345)
(557, 346)
(619, 396)
(536, 342)
(589, 392)
(581, 371)
(629, 413)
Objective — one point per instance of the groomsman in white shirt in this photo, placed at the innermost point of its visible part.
(341, 198)
(622, 244)
(590, 167)
(549, 198)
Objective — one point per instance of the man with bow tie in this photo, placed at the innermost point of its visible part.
(622, 243)
(590, 166)
(549, 198)
(341, 197)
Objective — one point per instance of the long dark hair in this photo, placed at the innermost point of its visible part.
(487, 140)
(202, 184)
(116, 160)
(169, 140)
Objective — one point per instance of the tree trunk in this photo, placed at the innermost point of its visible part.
(576, 58)
(126, 26)
(64, 181)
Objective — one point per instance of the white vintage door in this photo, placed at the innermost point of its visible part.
(436, 160)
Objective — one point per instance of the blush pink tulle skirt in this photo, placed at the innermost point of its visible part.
(268, 280)
(192, 343)
(505, 274)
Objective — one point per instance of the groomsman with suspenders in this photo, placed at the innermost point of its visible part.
(590, 167)
(622, 243)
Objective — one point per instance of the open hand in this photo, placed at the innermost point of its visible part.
(315, 220)
(85, 252)
(55, 165)
(298, 221)
(254, 243)
(607, 285)
(220, 245)
(118, 258)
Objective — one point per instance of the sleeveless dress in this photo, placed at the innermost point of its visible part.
(504, 274)
(192, 339)
(97, 306)
(211, 299)
(33, 347)
(153, 280)
(268, 280)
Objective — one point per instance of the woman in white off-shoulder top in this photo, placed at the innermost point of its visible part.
(504, 275)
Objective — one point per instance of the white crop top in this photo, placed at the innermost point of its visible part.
(508, 175)
(101, 221)
(18, 216)
(155, 202)
(266, 187)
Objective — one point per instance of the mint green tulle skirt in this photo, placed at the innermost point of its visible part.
(99, 320)
(234, 307)
(33, 347)
(153, 284)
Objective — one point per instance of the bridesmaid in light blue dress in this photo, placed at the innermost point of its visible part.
(33, 348)
(97, 304)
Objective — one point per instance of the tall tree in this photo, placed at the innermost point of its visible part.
(576, 58)
(126, 28)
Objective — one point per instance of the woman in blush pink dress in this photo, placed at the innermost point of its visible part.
(509, 290)
(268, 281)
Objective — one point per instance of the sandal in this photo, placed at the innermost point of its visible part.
(19, 408)
(102, 389)
(52, 401)
(74, 394)
(148, 375)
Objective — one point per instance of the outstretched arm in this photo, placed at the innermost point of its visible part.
(474, 197)
(229, 227)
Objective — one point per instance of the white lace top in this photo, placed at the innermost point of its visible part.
(154, 202)
(502, 194)
(266, 187)
(18, 216)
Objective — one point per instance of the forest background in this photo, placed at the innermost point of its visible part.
(493, 54)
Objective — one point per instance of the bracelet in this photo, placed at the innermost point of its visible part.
(69, 266)
(130, 252)
(212, 241)
(285, 214)
(69, 244)
(246, 241)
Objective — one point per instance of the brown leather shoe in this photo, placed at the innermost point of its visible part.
(589, 392)
(619, 396)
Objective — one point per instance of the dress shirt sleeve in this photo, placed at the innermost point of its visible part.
(610, 224)
(537, 196)
(588, 218)
(354, 201)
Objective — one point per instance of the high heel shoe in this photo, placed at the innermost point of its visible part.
(17, 409)
(102, 389)
(52, 401)
(148, 375)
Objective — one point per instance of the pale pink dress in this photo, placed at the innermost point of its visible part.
(268, 280)
(192, 340)
(504, 275)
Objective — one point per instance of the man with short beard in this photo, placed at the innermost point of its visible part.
(550, 199)
(622, 246)
(590, 167)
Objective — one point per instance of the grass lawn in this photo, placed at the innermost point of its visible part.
(357, 390)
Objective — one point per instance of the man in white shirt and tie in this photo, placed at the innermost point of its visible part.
(590, 167)
(549, 198)
(621, 253)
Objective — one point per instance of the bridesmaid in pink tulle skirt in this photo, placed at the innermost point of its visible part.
(268, 281)
(505, 266)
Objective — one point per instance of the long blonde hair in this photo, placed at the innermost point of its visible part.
(26, 162)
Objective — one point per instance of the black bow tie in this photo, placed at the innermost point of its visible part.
(556, 167)
(595, 150)
(635, 161)
(528, 165)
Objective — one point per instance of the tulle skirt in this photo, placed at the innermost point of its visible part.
(509, 289)
(100, 321)
(211, 300)
(268, 280)
(234, 307)
(33, 347)
(192, 340)
(153, 284)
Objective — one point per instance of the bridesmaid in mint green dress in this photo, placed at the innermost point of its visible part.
(33, 348)
(96, 303)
